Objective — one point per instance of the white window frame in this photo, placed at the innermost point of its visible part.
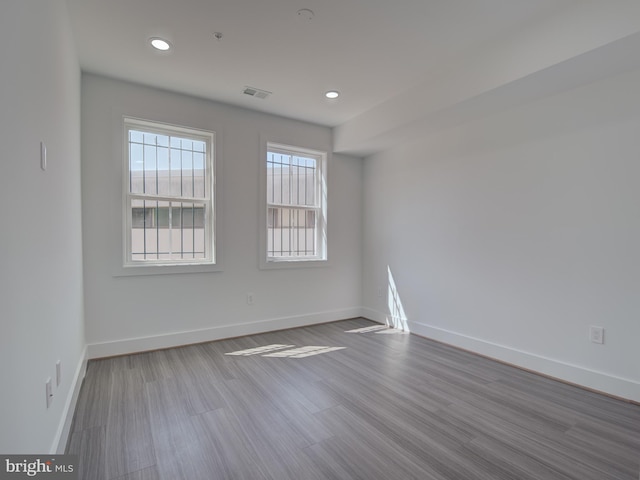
(321, 258)
(155, 266)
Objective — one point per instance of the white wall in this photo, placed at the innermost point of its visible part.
(511, 235)
(130, 313)
(41, 300)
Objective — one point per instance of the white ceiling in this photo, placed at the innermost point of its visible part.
(392, 60)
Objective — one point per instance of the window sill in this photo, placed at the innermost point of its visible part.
(280, 264)
(157, 269)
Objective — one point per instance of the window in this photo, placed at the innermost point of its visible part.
(296, 199)
(169, 211)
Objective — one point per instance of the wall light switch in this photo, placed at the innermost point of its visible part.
(49, 392)
(43, 156)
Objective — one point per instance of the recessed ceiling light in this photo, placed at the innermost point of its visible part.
(160, 44)
(332, 94)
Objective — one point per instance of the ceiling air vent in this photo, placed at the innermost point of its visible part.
(256, 92)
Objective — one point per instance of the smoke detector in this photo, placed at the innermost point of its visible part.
(256, 92)
(305, 14)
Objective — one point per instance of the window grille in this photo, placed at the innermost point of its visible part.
(296, 204)
(169, 195)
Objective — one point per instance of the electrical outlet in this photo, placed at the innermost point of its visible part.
(58, 373)
(49, 392)
(596, 334)
(249, 298)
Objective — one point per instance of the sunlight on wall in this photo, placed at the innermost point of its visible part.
(323, 218)
(396, 318)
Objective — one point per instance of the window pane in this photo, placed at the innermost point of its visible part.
(307, 181)
(291, 179)
(187, 173)
(150, 138)
(291, 232)
(140, 216)
(199, 146)
(135, 168)
(168, 230)
(135, 136)
(186, 144)
(150, 169)
(163, 140)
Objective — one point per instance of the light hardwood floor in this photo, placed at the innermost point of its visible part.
(359, 402)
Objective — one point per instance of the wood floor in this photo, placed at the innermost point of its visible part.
(344, 400)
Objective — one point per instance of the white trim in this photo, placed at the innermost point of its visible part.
(592, 379)
(119, 247)
(176, 339)
(64, 428)
(374, 315)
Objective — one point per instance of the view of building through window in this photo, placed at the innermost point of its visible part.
(169, 198)
(295, 204)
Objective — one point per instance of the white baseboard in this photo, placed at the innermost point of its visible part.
(374, 315)
(591, 379)
(176, 339)
(64, 429)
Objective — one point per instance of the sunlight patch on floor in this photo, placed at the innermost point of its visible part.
(379, 329)
(259, 350)
(392, 331)
(285, 351)
(375, 328)
(302, 352)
